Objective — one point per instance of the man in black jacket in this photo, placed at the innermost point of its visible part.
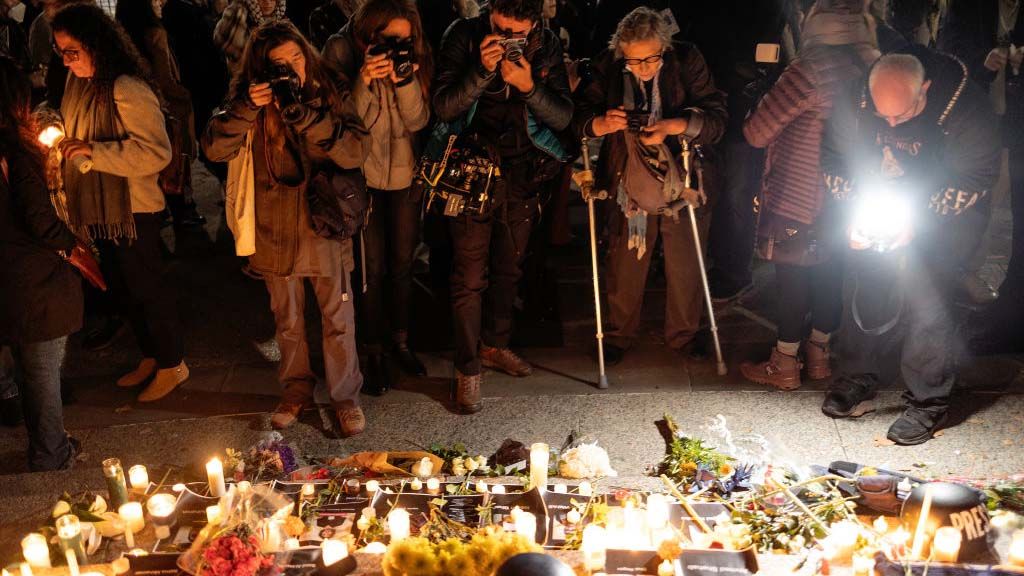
(921, 170)
(988, 35)
(513, 104)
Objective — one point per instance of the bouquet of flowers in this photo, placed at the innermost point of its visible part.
(484, 552)
(235, 554)
(270, 456)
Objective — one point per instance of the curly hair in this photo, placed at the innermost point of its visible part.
(641, 24)
(112, 51)
(17, 127)
(518, 9)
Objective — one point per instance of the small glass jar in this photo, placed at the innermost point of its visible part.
(117, 489)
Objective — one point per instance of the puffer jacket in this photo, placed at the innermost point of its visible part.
(392, 114)
(790, 122)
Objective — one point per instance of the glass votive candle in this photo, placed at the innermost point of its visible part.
(352, 487)
(213, 515)
(36, 550)
(433, 486)
(161, 513)
(138, 476)
(372, 486)
(117, 490)
(69, 531)
(946, 544)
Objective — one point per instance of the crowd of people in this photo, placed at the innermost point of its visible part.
(853, 144)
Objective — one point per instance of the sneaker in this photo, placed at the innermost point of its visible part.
(104, 335)
(146, 369)
(504, 360)
(408, 361)
(780, 371)
(916, 426)
(286, 414)
(850, 397)
(351, 418)
(10, 411)
(467, 396)
(816, 360)
(165, 381)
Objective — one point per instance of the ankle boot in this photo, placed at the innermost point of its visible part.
(467, 397)
(816, 360)
(164, 382)
(779, 371)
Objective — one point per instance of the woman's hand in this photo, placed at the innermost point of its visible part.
(260, 94)
(612, 121)
(657, 132)
(72, 148)
(376, 66)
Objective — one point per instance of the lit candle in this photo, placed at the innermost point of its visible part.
(881, 525)
(633, 526)
(1016, 555)
(498, 489)
(586, 489)
(215, 477)
(375, 548)
(657, 511)
(131, 513)
(179, 487)
(946, 544)
(481, 487)
(539, 454)
(561, 488)
(50, 136)
(213, 515)
(398, 524)
(372, 486)
(526, 524)
(416, 485)
(594, 547)
(333, 551)
(424, 468)
(922, 524)
(899, 539)
(666, 569)
(433, 486)
(573, 516)
(69, 530)
(243, 487)
(271, 536)
(25, 569)
(160, 508)
(842, 541)
(307, 491)
(72, 562)
(139, 477)
(117, 490)
(863, 565)
(36, 550)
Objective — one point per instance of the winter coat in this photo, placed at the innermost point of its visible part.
(970, 32)
(790, 121)
(392, 114)
(286, 244)
(687, 91)
(40, 293)
(167, 77)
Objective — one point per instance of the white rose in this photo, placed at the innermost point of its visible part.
(585, 461)
(471, 464)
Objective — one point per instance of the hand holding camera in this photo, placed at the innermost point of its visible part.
(517, 73)
(375, 67)
(491, 52)
(283, 87)
(260, 94)
(393, 58)
(614, 120)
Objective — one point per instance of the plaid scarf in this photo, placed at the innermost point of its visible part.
(239, 19)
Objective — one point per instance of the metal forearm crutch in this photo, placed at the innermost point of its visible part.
(722, 370)
(586, 184)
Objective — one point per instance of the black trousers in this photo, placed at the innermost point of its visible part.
(488, 257)
(731, 239)
(817, 290)
(391, 236)
(136, 282)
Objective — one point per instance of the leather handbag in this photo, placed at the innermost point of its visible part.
(785, 241)
(338, 202)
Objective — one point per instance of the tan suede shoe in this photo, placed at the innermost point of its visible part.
(132, 379)
(165, 381)
(351, 419)
(286, 414)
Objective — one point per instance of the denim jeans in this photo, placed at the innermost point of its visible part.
(39, 366)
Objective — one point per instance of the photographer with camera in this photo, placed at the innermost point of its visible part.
(501, 80)
(383, 54)
(285, 111)
(647, 96)
(918, 155)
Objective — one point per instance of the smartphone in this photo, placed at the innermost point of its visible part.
(767, 53)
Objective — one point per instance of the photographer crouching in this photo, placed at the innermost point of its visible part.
(648, 94)
(501, 88)
(924, 159)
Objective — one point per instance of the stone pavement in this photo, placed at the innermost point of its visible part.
(233, 386)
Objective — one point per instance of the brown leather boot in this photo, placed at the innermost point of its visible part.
(467, 396)
(816, 361)
(351, 418)
(779, 371)
(286, 414)
(504, 360)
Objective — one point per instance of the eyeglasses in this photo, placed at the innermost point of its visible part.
(69, 54)
(649, 60)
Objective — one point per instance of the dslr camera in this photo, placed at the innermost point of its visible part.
(287, 90)
(636, 120)
(514, 48)
(401, 53)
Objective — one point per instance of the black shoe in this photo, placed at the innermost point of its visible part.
(916, 426)
(612, 354)
(697, 348)
(104, 335)
(850, 397)
(377, 379)
(189, 217)
(408, 361)
(10, 412)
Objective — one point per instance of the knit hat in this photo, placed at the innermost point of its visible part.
(842, 6)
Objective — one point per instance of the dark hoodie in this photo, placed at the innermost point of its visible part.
(947, 157)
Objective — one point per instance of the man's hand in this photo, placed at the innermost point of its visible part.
(72, 148)
(614, 120)
(518, 74)
(996, 59)
(260, 94)
(376, 66)
(657, 132)
(491, 52)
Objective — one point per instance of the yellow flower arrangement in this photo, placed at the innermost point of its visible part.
(484, 552)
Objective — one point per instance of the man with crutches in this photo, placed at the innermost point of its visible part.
(648, 97)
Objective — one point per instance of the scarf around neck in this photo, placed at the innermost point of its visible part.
(99, 204)
(256, 14)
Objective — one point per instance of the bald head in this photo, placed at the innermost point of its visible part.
(898, 87)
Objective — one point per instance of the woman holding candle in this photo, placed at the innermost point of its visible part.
(112, 116)
(319, 133)
(40, 294)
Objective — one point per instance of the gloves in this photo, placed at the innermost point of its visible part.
(82, 259)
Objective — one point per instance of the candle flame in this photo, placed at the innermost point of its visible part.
(50, 136)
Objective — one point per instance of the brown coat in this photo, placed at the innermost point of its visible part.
(167, 77)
